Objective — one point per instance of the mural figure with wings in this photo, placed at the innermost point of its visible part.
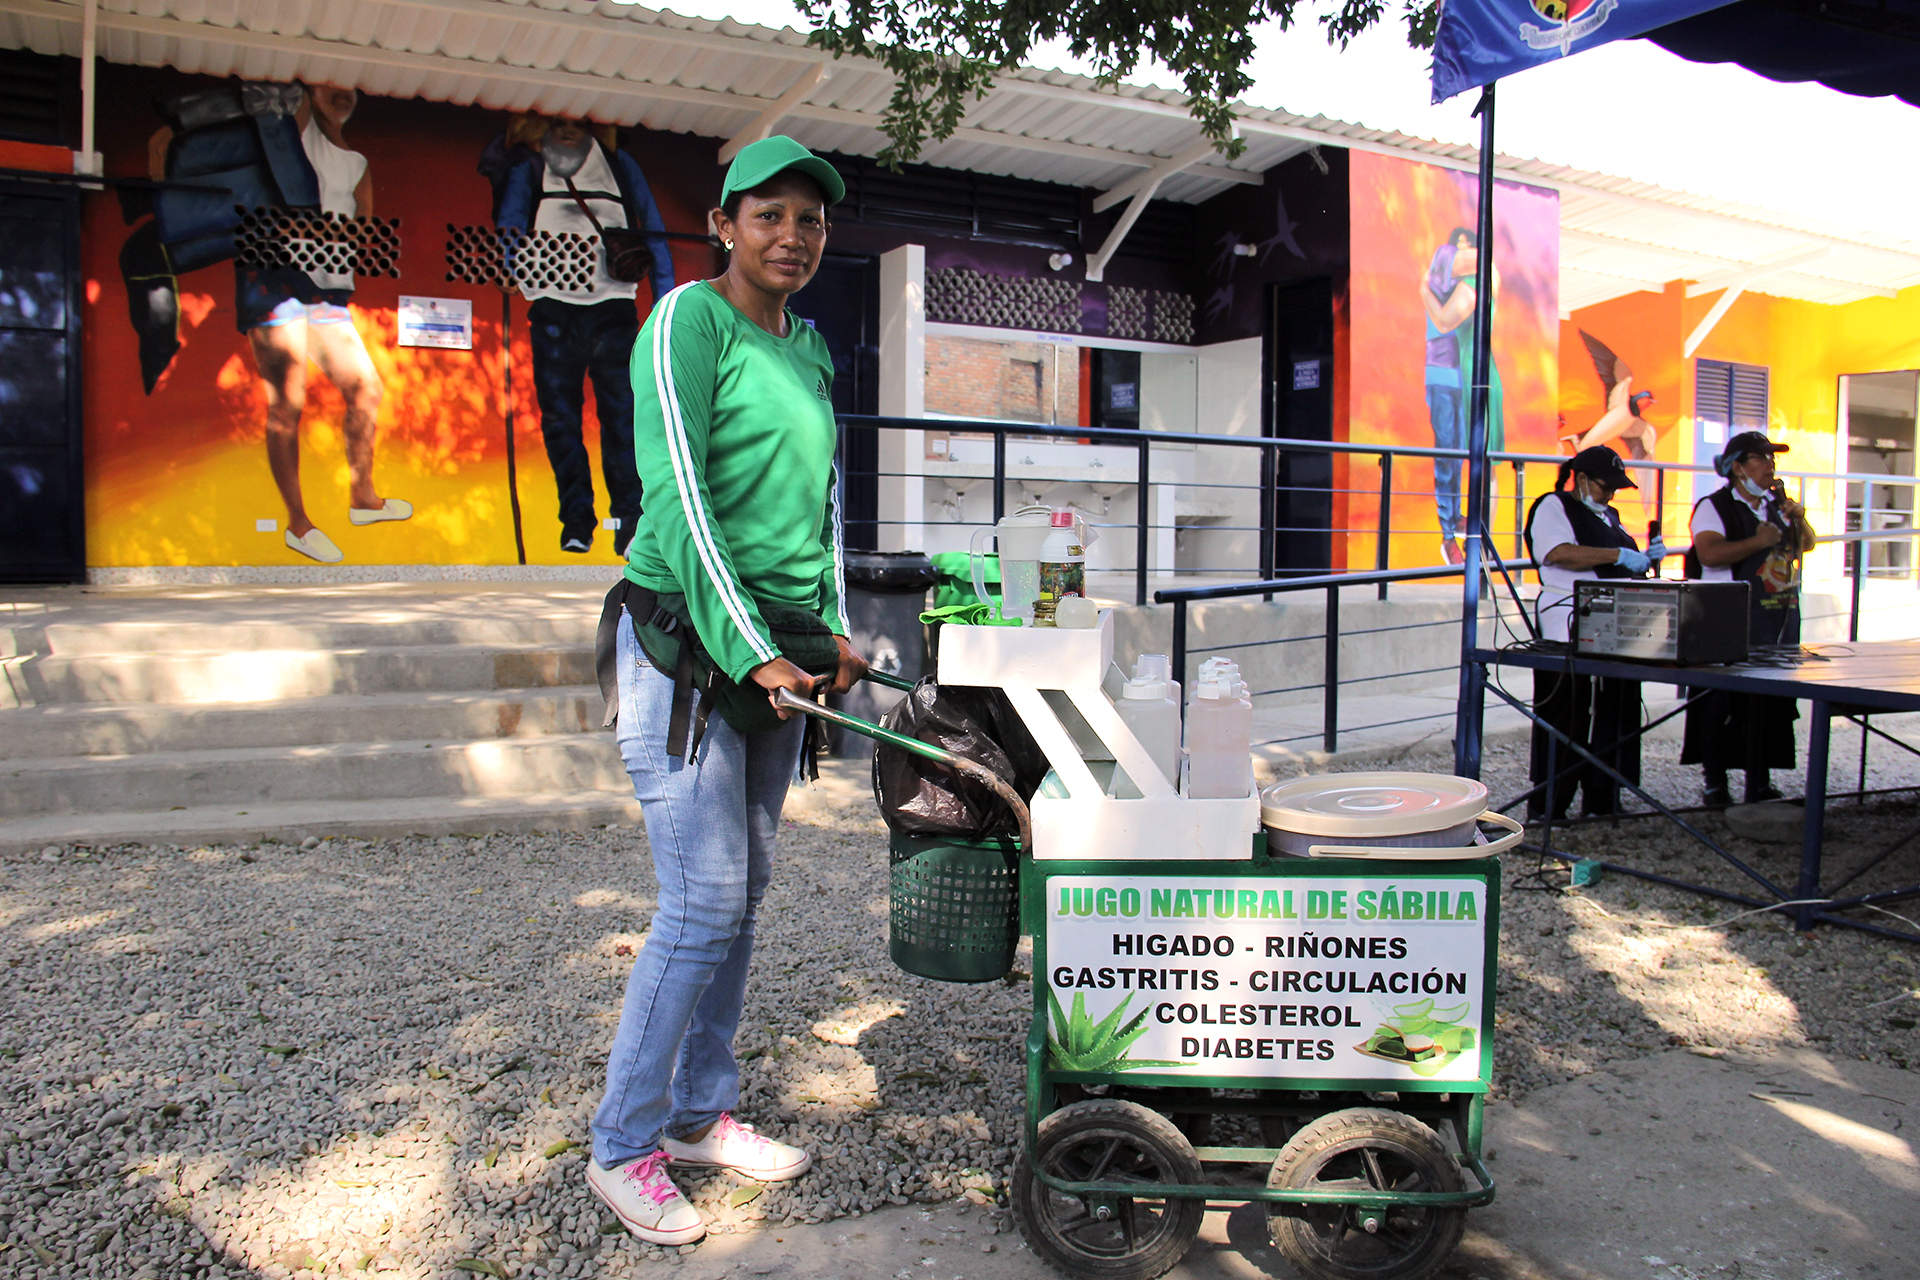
(1621, 419)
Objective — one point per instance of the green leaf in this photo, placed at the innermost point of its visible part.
(284, 1050)
(493, 1155)
(481, 1267)
(1454, 1013)
(560, 1148)
(1418, 1009)
(744, 1195)
(437, 1072)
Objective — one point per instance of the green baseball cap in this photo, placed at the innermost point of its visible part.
(761, 160)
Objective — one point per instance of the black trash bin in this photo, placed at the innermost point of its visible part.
(886, 594)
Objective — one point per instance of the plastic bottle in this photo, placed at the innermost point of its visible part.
(1063, 568)
(1154, 718)
(1219, 740)
(1156, 666)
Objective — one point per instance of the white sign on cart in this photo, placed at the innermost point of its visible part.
(1317, 976)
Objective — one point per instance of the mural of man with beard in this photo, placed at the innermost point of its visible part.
(568, 176)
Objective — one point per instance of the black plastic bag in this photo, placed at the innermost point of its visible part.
(921, 797)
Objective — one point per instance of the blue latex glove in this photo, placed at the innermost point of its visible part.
(1633, 561)
(1657, 550)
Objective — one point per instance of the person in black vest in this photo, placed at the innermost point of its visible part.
(1573, 533)
(1748, 531)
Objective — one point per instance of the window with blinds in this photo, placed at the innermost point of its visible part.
(1731, 396)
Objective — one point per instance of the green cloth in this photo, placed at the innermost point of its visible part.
(734, 436)
(970, 615)
(955, 583)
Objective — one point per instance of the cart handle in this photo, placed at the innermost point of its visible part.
(888, 681)
(1397, 854)
(787, 700)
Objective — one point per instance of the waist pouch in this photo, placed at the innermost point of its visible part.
(664, 627)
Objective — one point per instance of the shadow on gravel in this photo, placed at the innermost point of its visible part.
(383, 1058)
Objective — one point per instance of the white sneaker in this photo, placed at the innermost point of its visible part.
(391, 509)
(732, 1145)
(316, 546)
(646, 1201)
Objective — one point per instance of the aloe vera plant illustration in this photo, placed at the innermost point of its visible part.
(1081, 1044)
(1422, 1037)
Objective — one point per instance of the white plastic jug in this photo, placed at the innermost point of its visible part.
(1019, 536)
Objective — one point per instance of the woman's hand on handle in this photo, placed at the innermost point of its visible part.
(781, 674)
(853, 667)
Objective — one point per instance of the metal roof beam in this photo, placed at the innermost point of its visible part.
(811, 78)
(1150, 181)
(1740, 277)
(1138, 194)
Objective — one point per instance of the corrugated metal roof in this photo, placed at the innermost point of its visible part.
(630, 65)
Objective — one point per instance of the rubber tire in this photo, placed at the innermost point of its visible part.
(1159, 1153)
(1413, 1244)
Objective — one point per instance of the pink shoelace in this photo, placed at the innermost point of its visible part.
(726, 1127)
(649, 1177)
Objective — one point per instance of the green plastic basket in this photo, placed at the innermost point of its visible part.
(953, 907)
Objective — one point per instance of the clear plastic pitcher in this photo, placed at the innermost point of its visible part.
(1019, 536)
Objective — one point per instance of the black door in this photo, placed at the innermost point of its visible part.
(1300, 407)
(842, 301)
(42, 521)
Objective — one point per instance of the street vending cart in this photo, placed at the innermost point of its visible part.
(1309, 972)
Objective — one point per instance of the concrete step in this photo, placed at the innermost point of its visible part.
(76, 639)
(268, 675)
(243, 779)
(124, 729)
(293, 822)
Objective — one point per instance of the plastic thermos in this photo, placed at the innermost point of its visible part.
(1154, 717)
(1219, 739)
(1063, 568)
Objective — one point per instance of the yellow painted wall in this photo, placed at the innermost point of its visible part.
(1806, 346)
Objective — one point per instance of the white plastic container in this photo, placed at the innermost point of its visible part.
(1153, 715)
(1408, 816)
(1219, 741)
(1063, 568)
(1156, 666)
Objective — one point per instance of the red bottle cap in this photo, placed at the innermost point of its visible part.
(1063, 519)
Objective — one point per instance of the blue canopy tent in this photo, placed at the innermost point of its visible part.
(1866, 49)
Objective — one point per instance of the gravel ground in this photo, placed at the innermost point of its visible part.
(269, 1061)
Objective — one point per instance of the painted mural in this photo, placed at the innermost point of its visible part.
(264, 393)
(1415, 253)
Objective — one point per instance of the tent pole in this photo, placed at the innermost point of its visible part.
(1470, 713)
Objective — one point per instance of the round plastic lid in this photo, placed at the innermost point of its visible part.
(1359, 805)
(1144, 687)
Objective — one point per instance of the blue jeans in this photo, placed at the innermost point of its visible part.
(1446, 411)
(711, 826)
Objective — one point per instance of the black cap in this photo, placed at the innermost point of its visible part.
(1747, 442)
(1602, 463)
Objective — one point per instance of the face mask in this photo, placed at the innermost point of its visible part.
(1752, 490)
(564, 161)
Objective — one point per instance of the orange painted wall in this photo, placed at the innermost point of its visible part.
(180, 477)
(1806, 347)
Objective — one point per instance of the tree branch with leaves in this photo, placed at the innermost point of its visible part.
(945, 55)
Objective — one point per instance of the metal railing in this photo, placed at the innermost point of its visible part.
(1264, 499)
(1330, 636)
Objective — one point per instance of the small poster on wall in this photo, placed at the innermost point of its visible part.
(436, 322)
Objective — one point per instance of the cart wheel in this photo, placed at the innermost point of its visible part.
(1365, 1148)
(1131, 1238)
